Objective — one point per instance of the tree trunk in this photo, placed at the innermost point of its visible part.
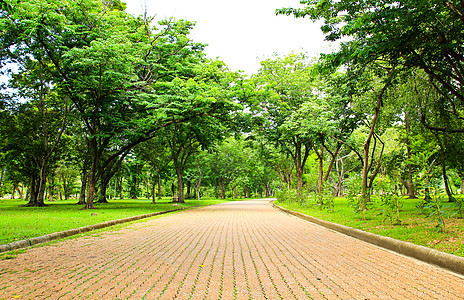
(105, 179)
(365, 191)
(153, 191)
(51, 193)
(33, 191)
(223, 190)
(66, 190)
(147, 187)
(365, 194)
(197, 191)
(189, 186)
(41, 192)
(445, 179)
(134, 187)
(320, 182)
(299, 179)
(410, 184)
(115, 189)
(120, 188)
(103, 189)
(198, 185)
(159, 186)
(2, 176)
(20, 192)
(37, 198)
(299, 161)
(92, 177)
(332, 162)
(13, 192)
(320, 158)
(28, 192)
(91, 190)
(180, 186)
(298, 167)
(443, 168)
(83, 188)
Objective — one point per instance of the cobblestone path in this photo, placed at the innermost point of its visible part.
(237, 250)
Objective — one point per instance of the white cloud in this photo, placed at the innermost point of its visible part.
(240, 32)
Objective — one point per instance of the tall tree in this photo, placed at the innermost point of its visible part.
(425, 35)
(36, 122)
(155, 153)
(106, 62)
(283, 85)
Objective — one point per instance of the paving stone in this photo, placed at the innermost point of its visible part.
(237, 250)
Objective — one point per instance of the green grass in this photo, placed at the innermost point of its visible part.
(19, 222)
(415, 227)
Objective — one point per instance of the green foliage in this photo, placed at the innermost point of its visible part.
(102, 93)
(437, 209)
(391, 204)
(305, 198)
(124, 80)
(415, 34)
(292, 196)
(324, 200)
(459, 207)
(354, 192)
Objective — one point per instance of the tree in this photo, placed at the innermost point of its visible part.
(34, 126)
(155, 153)
(227, 158)
(283, 85)
(210, 82)
(425, 35)
(106, 62)
(315, 121)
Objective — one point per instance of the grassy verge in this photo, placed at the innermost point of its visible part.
(415, 227)
(19, 222)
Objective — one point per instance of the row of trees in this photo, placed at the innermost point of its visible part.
(103, 99)
(389, 102)
(230, 168)
(95, 79)
(122, 102)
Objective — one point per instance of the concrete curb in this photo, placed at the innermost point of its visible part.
(62, 234)
(444, 260)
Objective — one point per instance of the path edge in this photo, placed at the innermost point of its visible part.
(62, 234)
(441, 259)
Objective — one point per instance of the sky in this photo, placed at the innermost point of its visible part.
(241, 32)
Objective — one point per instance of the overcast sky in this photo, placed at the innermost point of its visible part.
(240, 32)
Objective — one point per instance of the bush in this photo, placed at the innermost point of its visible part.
(354, 183)
(292, 196)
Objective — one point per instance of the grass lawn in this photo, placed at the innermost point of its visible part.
(19, 222)
(415, 227)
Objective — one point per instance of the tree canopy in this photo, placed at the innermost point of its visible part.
(101, 102)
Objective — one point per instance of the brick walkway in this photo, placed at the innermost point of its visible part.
(242, 250)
